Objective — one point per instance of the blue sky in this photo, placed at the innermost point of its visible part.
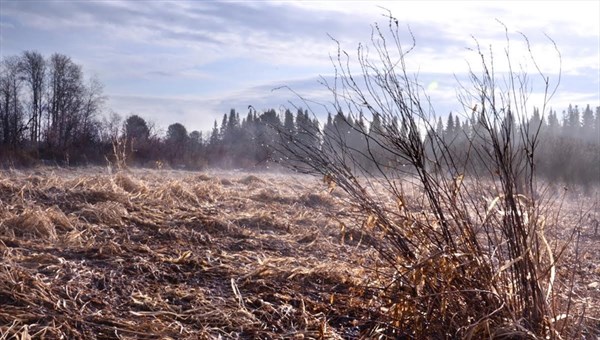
(192, 61)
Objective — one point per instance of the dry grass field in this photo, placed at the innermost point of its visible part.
(163, 254)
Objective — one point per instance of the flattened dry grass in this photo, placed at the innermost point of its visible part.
(168, 255)
(30, 224)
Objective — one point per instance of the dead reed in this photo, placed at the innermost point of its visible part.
(144, 255)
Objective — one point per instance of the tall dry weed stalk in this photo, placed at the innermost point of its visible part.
(468, 257)
(119, 155)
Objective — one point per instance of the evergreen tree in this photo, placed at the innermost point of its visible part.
(196, 149)
(136, 132)
(587, 123)
(288, 122)
(307, 131)
(233, 123)
(268, 125)
(214, 136)
(535, 119)
(449, 133)
(466, 128)
(341, 126)
(457, 126)
(223, 128)
(574, 121)
(135, 127)
(439, 129)
(357, 142)
(374, 145)
(176, 142)
(329, 123)
(553, 123)
(328, 134)
(597, 126)
(248, 139)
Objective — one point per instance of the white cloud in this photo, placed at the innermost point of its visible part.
(187, 60)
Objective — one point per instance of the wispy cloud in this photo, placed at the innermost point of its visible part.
(191, 61)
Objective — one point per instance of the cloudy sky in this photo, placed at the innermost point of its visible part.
(191, 61)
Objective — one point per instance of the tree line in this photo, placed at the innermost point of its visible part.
(567, 144)
(237, 142)
(50, 112)
(47, 108)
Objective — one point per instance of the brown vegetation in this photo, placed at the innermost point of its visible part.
(159, 255)
(169, 255)
(469, 254)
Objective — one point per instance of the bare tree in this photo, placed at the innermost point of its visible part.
(33, 68)
(11, 108)
(92, 101)
(72, 107)
(467, 256)
(111, 125)
(66, 92)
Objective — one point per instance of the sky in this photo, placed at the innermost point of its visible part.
(192, 61)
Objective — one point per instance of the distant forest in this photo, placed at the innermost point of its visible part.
(49, 114)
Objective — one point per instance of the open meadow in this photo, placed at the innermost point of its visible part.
(162, 254)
